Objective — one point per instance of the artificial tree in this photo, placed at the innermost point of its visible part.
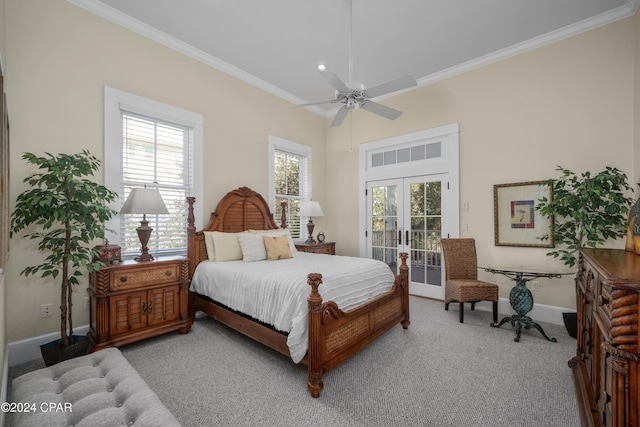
(587, 210)
(65, 212)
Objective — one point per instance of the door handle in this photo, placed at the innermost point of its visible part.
(399, 237)
(406, 237)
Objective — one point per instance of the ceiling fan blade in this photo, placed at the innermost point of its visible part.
(334, 80)
(340, 115)
(381, 110)
(400, 83)
(328, 101)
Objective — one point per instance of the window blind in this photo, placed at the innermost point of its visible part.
(156, 154)
(291, 187)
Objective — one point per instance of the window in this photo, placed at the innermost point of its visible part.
(289, 180)
(154, 145)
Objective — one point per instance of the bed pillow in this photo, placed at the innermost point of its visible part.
(252, 247)
(277, 247)
(279, 232)
(208, 243)
(226, 246)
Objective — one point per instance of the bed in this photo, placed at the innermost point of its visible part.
(332, 334)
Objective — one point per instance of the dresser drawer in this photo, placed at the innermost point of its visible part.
(153, 275)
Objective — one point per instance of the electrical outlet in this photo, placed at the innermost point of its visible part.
(86, 303)
(45, 310)
(535, 286)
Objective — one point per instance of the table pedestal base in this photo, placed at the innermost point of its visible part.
(520, 321)
(521, 299)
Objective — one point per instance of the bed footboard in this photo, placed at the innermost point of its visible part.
(334, 335)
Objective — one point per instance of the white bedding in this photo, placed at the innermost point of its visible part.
(275, 292)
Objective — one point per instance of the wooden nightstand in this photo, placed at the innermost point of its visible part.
(132, 301)
(318, 248)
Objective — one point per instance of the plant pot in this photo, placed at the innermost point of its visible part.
(53, 353)
(571, 323)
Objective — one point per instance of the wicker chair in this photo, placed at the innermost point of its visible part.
(462, 284)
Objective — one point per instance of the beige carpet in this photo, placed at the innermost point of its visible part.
(437, 373)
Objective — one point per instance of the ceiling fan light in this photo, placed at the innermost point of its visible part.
(321, 67)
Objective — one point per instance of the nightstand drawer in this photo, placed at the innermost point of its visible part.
(154, 275)
(324, 249)
(328, 248)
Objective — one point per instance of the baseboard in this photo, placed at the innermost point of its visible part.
(539, 312)
(29, 349)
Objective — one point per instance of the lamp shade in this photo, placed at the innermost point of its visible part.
(310, 208)
(144, 201)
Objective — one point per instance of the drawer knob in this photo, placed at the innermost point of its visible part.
(168, 272)
(123, 278)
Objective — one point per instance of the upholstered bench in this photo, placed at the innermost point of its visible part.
(99, 389)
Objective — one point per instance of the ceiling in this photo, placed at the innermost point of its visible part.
(277, 45)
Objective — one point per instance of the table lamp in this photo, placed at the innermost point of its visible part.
(310, 208)
(144, 201)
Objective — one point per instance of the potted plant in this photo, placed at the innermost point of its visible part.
(587, 210)
(64, 212)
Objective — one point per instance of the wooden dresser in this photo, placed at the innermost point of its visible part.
(606, 369)
(131, 301)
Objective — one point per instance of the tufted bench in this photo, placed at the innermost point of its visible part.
(99, 389)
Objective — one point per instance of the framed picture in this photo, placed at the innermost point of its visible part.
(517, 223)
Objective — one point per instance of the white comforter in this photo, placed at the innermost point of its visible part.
(275, 292)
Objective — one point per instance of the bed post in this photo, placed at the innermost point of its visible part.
(191, 235)
(283, 216)
(403, 280)
(315, 350)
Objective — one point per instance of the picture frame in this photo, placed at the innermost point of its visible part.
(517, 222)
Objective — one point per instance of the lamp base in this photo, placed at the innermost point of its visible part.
(144, 233)
(145, 256)
(310, 227)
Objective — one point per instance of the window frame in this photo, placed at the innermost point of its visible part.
(279, 144)
(115, 101)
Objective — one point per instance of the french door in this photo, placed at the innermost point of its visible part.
(409, 215)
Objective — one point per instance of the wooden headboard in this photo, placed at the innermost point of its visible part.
(239, 210)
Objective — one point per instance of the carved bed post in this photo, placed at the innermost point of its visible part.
(283, 217)
(191, 251)
(191, 235)
(402, 280)
(315, 350)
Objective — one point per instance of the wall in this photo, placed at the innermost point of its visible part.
(3, 339)
(636, 108)
(61, 57)
(569, 103)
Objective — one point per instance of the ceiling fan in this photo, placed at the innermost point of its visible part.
(354, 94)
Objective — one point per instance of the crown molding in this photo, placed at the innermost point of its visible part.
(145, 30)
(629, 9)
(119, 18)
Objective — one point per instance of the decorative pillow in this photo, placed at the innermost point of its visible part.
(208, 242)
(226, 246)
(277, 247)
(279, 232)
(252, 247)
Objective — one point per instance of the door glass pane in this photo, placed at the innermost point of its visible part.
(384, 225)
(426, 226)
